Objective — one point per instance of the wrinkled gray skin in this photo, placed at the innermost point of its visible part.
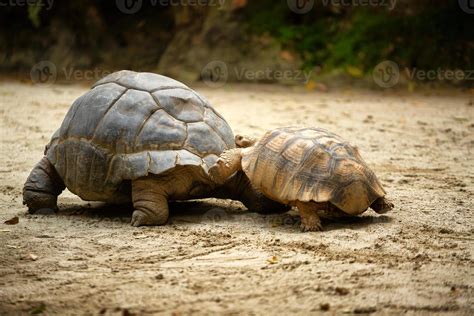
(140, 138)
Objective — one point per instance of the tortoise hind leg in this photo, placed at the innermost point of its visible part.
(382, 205)
(42, 187)
(150, 201)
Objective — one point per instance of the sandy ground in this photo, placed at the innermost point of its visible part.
(215, 257)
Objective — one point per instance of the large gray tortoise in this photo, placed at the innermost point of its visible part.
(138, 137)
(310, 168)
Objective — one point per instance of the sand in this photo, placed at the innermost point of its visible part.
(215, 257)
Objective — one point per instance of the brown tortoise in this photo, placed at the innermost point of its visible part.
(310, 168)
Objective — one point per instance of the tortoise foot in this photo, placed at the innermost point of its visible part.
(140, 218)
(36, 201)
(311, 227)
(310, 221)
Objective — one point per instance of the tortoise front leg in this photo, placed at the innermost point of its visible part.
(150, 201)
(42, 187)
(310, 220)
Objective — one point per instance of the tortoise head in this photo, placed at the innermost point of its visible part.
(243, 141)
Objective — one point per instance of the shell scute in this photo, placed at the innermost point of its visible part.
(118, 128)
(87, 111)
(162, 130)
(182, 104)
(199, 139)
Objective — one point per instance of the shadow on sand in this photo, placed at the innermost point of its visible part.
(215, 211)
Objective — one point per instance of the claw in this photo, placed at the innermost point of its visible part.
(138, 218)
(311, 228)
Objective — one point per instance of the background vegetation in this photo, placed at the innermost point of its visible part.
(350, 39)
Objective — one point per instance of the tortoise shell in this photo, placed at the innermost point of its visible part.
(311, 164)
(130, 125)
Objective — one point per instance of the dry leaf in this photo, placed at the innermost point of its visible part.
(12, 221)
(312, 85)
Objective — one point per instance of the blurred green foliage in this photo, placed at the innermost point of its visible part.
(426, 34)
(34, 11)
(360, 38)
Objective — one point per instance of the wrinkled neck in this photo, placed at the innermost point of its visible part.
(239, 188)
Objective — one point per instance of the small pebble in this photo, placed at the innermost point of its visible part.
(325, 306)
(342, 291)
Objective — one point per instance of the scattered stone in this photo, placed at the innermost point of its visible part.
(342, 291)
(445, 231)
(365, 310)
(12, 221)
(368, 119)
(38, 309)
(159, 276)
(272, 260)
(324, 306)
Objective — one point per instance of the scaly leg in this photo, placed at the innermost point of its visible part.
(238, 187)
(42, 187)
(150, 201)
(310, 220)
